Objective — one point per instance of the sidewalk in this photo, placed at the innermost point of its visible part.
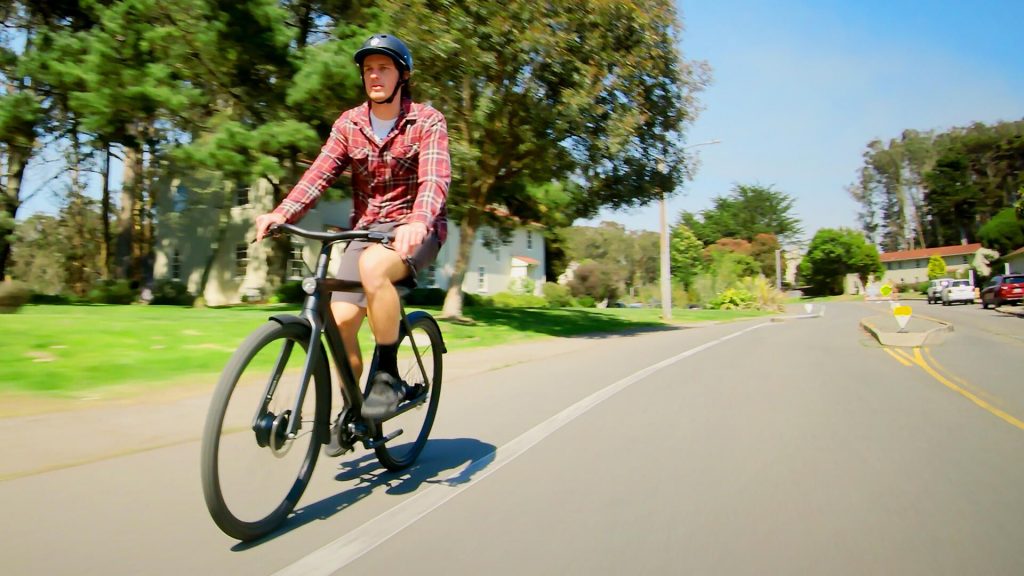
(67, 433)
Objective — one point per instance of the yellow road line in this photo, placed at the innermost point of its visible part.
(964, 383)
(899, 357)
(996, 411)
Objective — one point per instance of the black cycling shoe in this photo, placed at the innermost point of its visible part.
(336, 447)
(386, 392)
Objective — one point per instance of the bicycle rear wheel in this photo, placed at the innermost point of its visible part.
(416, 422)
(253, 474)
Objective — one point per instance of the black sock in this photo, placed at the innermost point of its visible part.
(387, 359)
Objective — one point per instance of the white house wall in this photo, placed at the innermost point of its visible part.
(193, 231)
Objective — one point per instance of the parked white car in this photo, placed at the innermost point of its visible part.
(958, 291)
(935, 289)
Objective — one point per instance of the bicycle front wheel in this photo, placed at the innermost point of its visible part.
(253, 473)
(425, 370)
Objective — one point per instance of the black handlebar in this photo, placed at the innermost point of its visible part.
(343, 236)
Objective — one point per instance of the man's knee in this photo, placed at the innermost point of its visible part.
(380, 267)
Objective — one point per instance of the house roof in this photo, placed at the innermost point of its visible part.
(1016, 252)
(528, 260)
(927, 252)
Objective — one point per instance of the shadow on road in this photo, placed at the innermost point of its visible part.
(437, 464)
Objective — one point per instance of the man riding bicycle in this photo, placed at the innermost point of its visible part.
(401, 171)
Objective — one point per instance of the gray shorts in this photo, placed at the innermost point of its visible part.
(423, 256)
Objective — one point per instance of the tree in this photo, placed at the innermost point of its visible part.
(1003, 233)
(936, 267)
(927, 189)
(835, 253)
(22, 114)
(762, 250)
(686, 255)
(747, 211)
(598, 280)
(634, 254)
(580, 91)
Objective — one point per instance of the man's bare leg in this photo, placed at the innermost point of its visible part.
(350, 319)
(379, 269)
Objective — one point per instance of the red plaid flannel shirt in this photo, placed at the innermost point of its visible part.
(405, 178)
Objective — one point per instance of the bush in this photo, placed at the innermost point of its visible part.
(112, 292)
(289, 293)
(585, 301)
(58, 299)
(510, 300)
(557, 295)
(13, 295)
(171, 293)
(733, 299)
(476, 300)
(425, 297)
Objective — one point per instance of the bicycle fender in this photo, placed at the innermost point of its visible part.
(421, 314)
(286, 319)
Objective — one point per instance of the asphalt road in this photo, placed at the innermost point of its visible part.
(759, 447)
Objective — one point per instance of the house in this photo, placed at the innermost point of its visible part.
(1013, 263)
(911, 266)
(192, 219)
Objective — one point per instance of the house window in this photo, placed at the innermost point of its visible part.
(529, 240)
(241, 195)
(965, 260)
(296, 264)
(481, 279)
(179, 201)
(176, 265)
(241, 260)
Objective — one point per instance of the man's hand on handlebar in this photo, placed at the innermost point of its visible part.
(264, 222)
(408, 237)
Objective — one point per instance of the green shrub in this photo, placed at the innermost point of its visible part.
(57, 299)
(171, 293)
(585, 301)
(733, 299)
(112, 292)
(289, 293)
(476, 300)
(13, 295)
(425, 297)
(511, 300)
(558, 295)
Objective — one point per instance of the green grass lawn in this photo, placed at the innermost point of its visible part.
(70, 350)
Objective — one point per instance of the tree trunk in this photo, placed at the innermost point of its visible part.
(467, 236)
(105, 216)
(16, 162)
(126, 217)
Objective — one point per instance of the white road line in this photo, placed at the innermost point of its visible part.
(341, 552)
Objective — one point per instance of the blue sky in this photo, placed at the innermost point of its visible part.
(800, 87)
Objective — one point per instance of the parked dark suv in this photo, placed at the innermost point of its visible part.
(1002, 290)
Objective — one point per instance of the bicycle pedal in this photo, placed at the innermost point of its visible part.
(373, 443)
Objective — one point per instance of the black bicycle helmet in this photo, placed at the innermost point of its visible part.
(387, 45)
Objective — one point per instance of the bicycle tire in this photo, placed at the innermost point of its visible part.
(227, 512)
(417, 422)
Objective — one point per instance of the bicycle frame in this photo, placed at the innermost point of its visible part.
(316, 311)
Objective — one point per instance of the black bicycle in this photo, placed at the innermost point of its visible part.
(265, 425)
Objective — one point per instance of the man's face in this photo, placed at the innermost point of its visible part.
(380, 75)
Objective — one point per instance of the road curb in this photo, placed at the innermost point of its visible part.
(905, 339)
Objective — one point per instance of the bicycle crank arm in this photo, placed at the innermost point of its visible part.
(370, 443)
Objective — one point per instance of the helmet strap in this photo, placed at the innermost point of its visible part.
(394, 93)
